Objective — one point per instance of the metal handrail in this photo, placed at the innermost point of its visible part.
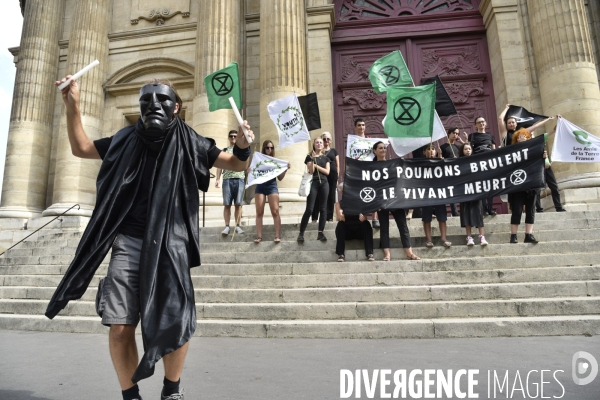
(41, 227)
(203, 203)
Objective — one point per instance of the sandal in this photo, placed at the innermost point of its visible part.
(429, 245)
(370, 257)
(277, 239)
(447, 244)
(258, 240)
(341, 258)
(386, 258)
(413, 257)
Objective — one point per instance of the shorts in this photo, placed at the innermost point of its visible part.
(121, 290)
(440, 213)
(233, 191)
(267, 188)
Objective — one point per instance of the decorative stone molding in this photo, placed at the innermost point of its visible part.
(461, 91)
(352, 10)
(456, 61)
(366, 99)
(157, 11)
(353, 70)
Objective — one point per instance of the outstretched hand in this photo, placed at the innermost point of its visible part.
(241, 141)
(70, 94)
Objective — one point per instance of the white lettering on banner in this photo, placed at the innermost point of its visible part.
(484, 186)
(442, 193)
(496, 162)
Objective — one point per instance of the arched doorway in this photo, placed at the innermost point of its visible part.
(436, 37)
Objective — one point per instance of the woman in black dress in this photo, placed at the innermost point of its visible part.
(471, 212)
(481, 141)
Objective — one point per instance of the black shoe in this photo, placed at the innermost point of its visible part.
(529, 238)
(300, 237)
(539, 210)
(513, 238)
(455, 214)
(321, 237)
(560, 209)
(491, 211)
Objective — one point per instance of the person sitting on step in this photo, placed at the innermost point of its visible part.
(352, 227)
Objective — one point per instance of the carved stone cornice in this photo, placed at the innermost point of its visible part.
(154, 31)
(160, 15)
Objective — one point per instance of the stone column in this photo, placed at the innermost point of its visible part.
(30, 131)
(283, 72)
(320, 22)
(217, 45)
(75, 178)
(568, 85)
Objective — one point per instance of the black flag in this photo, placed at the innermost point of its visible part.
(443, 103)
(524, 118)
(310, 110)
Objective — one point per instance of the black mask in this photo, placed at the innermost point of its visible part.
(157, 107)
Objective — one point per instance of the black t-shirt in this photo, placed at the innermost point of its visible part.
(332, 154)
(481, 142)
(508, 138)
(321, 161)
(134, 223)
(450, 150)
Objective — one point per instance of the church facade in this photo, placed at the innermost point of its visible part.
(542, 55)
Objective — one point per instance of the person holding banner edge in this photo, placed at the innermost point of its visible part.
(332, 178)
(482, 141)
(318, 165)
(439, 211)
(451, 150)
(471, 212)
(399, 216)
(360, 128)
(268, 190)
(352, 227)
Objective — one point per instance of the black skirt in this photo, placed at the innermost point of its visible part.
(471, 214)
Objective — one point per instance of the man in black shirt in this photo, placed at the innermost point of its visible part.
(147, 205)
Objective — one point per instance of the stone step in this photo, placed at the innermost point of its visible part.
(343, 329)
(352, 310)
(442, 292)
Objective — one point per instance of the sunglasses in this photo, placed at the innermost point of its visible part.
(327, 139)
(269, 148)
(232, 136)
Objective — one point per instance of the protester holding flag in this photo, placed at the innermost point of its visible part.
(451, 150)
(525, 198)
(399, 216)
(318, 165)
(471, 212)
(268, 190)
(482, 141)
(518, 117)
(439, 211)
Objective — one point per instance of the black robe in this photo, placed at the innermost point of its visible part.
(171, 240)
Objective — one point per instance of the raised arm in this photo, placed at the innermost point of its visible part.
(538, 124)
(282, 175)
(81, 145)
(501, 123)
(231, 162)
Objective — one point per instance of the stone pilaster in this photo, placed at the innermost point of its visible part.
(510, 69)
(594, 14)
(218, 43)
(75, 178)
(320, 22)
(568, 83)
(283, 72)
(30, 131)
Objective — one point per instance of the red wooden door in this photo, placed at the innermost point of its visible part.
(436, 37)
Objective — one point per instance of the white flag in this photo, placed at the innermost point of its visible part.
(264, 168)
(360, 148)
(403, 146)
(288, 118)
(573, 144)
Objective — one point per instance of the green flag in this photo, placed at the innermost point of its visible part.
(388, 72)
(410, 111)
(223, 84)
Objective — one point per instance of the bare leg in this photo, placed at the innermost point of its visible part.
(174, 363)
(468, 229)
(227, 214)
(481, 231)
(238, 214)
(259, 201)
(528, 228)
(274, 206)
(386, 254)
(513, 229)
(427, 229)
(123, 352)
(443, 231)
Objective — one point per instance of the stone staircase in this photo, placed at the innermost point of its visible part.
(289, 290)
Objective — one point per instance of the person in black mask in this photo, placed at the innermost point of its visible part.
(147, 209)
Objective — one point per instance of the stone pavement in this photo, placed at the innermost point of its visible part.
(52, 366)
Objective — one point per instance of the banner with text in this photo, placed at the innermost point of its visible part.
(398, 183)
(264, 168)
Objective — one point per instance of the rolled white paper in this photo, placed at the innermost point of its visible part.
(78, 74)
(239, 118)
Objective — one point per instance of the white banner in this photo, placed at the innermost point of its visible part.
(573, 144)
(288, 118)
(360, 148)
(403, 146)
(264, 168)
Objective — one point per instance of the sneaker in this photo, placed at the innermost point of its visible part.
(238, 230)
(226, 231)
(300, 237)
(321, 237)
(376, 224)
(470, 241)
(482, 240)
(176, 396)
